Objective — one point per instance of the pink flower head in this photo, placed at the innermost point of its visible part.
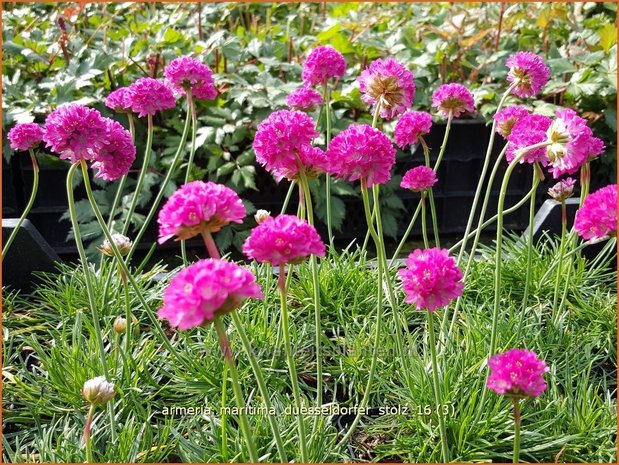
(597, 218)
(322, 64)
(571, 142)
(75, 132)
(148, 96)
(25, 136)
(454, 98)
(389, 83)
(562, 190)
(411, 126)
(115, 158)
(119, 100)
(431, 279)
(188, 73)
(205, 290)
(419, 179)
(529, 71)
(304, 98)
(529, 130)
(517, 373)
(283, 239)
(283, 143)
(199, 207)
(361, 152)
(507, 117)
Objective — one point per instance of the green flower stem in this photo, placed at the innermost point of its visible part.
(409, 229)
(437, 389)
(291, 363)
(288, 196)
(86, 436)
(224, 417)
(426, 156)
(527, 283)
(142, 175)
(194, 128)
(555, 299)
(424, 230)
(326, 94)
(585, 181)
(164, 184)
(33, 195)
(224, 345)
(516, 429)
(123, 179)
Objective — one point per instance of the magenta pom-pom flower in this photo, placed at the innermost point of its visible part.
(527, 131)
(283, 144)
(529, 71)
(304, 98)
(419, 179)
(517, 373)
(115, 158)
(453, 98)
(597, 218)
(507, 117)
(389, 84)
(322, 64)
(188, 73)
(25, 136)
(431, 279)
(571, 143)
(75, 132)
(562, 190)
(411, 126)
(119, 100)
(199, 207)
(148, 96)
(205, 290)
(361, 152)
(283, 239)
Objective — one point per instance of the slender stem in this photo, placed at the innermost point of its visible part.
(585, 180)
(209, 242)
(441, 152)
(516, 430)
(224, 345)
(327, 103)
(224, 417)
(426, 156)
(424, 231)
(291, 364)
(123, 179)
(128, 313)
(555, 299)
(437, 389)
(33, 195)
(288, 196)
(409, 229)
(527, 283)
(191, 107)
(142, 175)
(86, 439)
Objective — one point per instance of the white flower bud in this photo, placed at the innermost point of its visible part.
(98, 391)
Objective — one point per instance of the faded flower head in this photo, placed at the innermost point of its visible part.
(387, 82)
(304, 99)
(418, 179)
(411, 126)
(453, 98)
(205, 290)
(570, 142)
(261, 216)
(24, 136)
(185, 73)
(119, 100)
(431, 279)
(562, 190)
(148, 96)
(198, 207)
(361, 152)
(322, 64)
(597, 218)
(123, 243)
(529, 130)
(529, 71)
(283, 239)
(120, 325)
(517, 373)
(115, 158)
(98, 391)
(507, 117)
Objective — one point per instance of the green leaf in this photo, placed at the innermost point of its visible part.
(608, 36)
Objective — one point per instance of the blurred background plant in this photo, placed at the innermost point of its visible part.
(59, 53)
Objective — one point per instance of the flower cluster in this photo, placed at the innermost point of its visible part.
(597, 218)
(25, 136)
(119, 100)
(454, 99)
(322, 64)
(527, 131)
(517, 373)
(148, 96)
(117, 155)
(418, 179)
(507, 117)
(529, 72)
(304, 98)
(186, 73)
(410, 127)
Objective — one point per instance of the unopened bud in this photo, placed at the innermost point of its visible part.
(562, 190)
(98, 391)
(122, 242)
(120, 325)
(261, 216)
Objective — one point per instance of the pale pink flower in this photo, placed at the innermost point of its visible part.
(597, 218)
(517, 373)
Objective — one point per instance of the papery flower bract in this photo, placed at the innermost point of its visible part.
(75, 132)
(410, 127)
(283, 140)
(562, 190)
(597, 218)
(199, 207)
(507, 117)
(115, 158)
(431, 279)
(322, 64)
(361, 151)
(148, 96)
(283, 239)
(529, 130)
(304, 98)
(24, 136)
(119, 100)
(204, 290)
(389, 82)
(419, 179)
(454, 98)
(261, 216)
(529, 71)
(517, 373)
(122, 242)
(98, 391)
(188, 73)
(571, 142)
